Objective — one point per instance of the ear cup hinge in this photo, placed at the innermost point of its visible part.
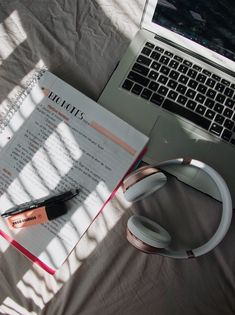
(137, 176)
(186, 161)
(190, 253)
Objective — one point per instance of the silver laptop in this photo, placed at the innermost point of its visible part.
(176, 84)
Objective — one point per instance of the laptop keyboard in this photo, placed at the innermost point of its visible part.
(184, 88)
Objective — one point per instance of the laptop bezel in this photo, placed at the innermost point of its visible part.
(181, 40)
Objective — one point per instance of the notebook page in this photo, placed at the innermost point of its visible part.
(67, 141)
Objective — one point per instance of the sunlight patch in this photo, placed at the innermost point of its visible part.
(14, 35)
(11, 307)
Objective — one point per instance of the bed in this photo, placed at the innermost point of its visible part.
(82, 42)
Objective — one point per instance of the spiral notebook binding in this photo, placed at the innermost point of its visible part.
(19, 97)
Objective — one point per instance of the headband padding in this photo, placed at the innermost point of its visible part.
(148, 231)
(145, 187)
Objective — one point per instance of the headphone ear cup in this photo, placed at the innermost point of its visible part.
(145, 187)
(147, 234)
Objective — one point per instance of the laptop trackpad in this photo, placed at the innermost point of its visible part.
(173, 138)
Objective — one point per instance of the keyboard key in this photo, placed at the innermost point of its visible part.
(153, 86)
(218, 108)
(155, 65)
(165, 70)
(127, 85)
(183, 79)
(183, 68)
(182, 99)
(155, 55)
(219, 119)
(161, 50)
(193, 84)
(162, 79)
(192, 73)
(163, 90)
(228, 112)
(209, 103)
(190, 93)
(146, 51)
(220, 98)
(219, 87)
(216, 77)
(146, 94)
(157, 99)
(168, 53)
(173, 64)
(164, 59)
(144, 60)
(174, 74)
(181, 88)
(191, 104)
(185, 113)
(153, 75)
(201, 88)
(226, 135)
(228, 124)
(232, 141)
(200, 98)
(206, 72)
(200, 109)
(137, 89)
(211, 93)
(230, 103)
(201, 78)
(138, 78)
(196, 67)
(140, 69)
(210, 82)
(210, 114)
(173, 95)
(225, 82)
(228, 92)
(187, 63)
(172, 84)
(178, 58)
(150, 45)
(216, 129)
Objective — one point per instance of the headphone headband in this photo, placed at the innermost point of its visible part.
(225, 198)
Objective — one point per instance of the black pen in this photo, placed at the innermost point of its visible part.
(40, 210)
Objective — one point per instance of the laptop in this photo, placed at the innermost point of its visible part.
(176, 84)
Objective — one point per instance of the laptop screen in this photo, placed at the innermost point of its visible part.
(210, 23)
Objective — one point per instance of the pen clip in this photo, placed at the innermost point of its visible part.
(61, 197)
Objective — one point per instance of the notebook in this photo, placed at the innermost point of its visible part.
(55, 139)
(176, 84)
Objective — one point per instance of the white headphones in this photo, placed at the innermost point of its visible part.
(147, 235)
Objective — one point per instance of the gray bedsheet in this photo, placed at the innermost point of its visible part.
(81, 41)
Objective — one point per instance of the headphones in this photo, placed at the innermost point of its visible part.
(147, 235)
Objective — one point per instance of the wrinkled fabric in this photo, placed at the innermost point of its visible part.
(81, 42)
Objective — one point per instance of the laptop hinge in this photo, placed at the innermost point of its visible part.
(193, 54)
